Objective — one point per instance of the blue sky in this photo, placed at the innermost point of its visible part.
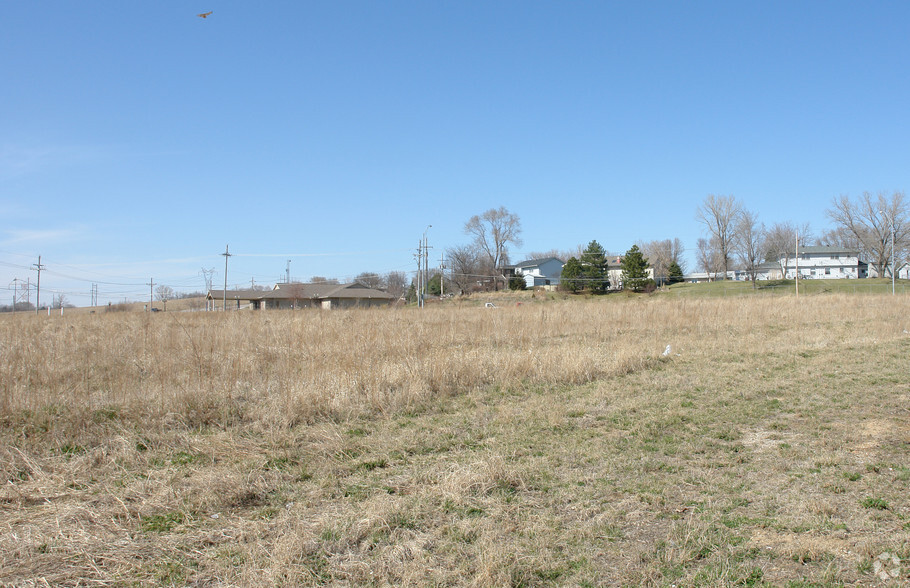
(137, 140)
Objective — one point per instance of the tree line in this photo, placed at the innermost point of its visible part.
(875, 226)
(734, 238)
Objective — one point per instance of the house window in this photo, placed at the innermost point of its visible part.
(827, 271)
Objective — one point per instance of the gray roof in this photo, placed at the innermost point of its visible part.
(536, 262)
(824, 249)
(323, 291)
(237, 294)
(300, 291)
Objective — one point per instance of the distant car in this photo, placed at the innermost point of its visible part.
(156, 310)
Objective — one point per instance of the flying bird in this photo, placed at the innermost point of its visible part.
(205, 14)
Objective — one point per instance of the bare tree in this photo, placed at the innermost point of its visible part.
(709, 257)
(493, 231)
(870, 220)
(467, 265)
(780, 243)
(164, 293)
(841, 237)
(661, 255)
(323, 280)
(60, 301)
(749, 242)
(396, 283)
(719, 215)
(369, 279)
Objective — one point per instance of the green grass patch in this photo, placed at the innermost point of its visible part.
(875, 503)
(162, 523)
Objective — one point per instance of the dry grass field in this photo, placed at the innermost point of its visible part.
(544, 444)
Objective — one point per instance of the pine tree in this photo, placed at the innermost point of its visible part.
(594, 268)
(674, 273)
(571, 273)
(635, 270)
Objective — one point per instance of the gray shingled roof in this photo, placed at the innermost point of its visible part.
(302, 291)
(534, 262)
(237, 294)
(825, 249)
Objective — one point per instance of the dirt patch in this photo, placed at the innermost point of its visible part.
(872, 435)
(762, 440)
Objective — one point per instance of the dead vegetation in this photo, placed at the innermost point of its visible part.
(542, 444)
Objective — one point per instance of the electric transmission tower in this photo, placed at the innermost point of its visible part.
(207, 276)
(17, 297)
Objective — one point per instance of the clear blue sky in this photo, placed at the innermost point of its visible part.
(137, 139)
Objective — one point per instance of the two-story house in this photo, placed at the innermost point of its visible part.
(539, 272)
(818, 262)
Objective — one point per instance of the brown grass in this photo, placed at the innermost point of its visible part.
(543, 444)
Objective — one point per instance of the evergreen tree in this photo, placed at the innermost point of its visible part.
(594, 268)
(517, 283)
(571, 274)
(635, 270)
(434, 285)
(674, 273)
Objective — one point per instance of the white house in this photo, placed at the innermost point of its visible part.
(903, 270)
(817, 262)
(614, 273)
(539, 272)
(736, 275)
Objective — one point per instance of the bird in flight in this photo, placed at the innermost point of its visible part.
(205, 14)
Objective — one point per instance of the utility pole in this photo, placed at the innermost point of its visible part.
(893, 267)
(426, 263)
(418, 291)
(226, 255)
(797, 262)
(442, 274)
(94, 294)
(287, 273)
(38, 267)
(151, 285)
(891, 220)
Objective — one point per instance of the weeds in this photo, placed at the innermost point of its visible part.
(539, 445)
